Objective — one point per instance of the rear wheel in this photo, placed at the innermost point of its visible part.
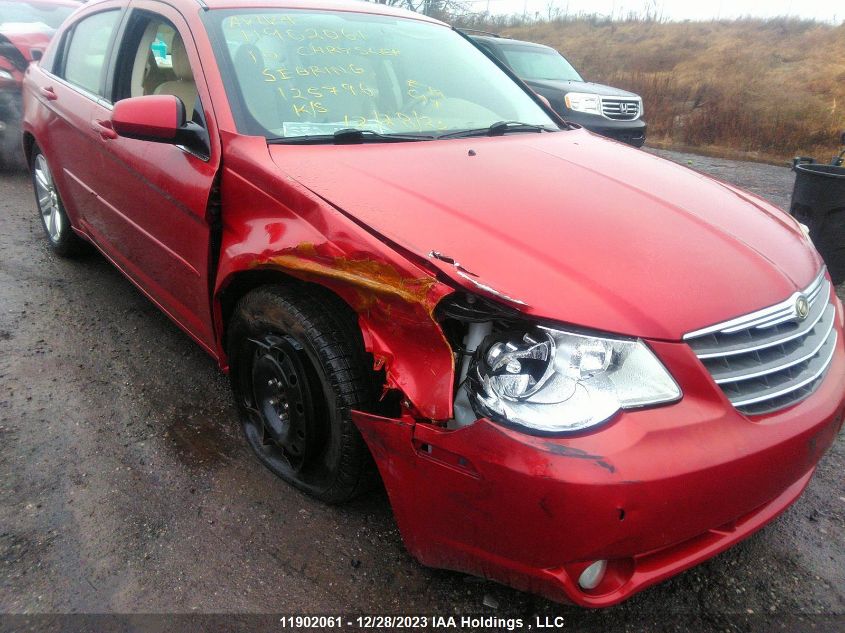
(60, 235)
(298, 367)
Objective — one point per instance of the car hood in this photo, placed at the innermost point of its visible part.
(579, 86)
(579, 229)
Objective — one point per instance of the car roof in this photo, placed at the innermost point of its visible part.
(498, 40)
(57, 3)
(356, 6)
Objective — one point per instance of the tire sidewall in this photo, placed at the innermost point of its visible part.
(280, 322)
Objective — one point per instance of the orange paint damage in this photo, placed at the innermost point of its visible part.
(395, 311)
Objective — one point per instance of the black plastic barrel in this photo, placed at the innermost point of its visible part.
(818, 200)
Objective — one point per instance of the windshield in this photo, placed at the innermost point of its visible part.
(41, 16)
(540, 64)
(302, 73)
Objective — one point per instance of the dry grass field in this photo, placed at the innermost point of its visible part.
(758, 89)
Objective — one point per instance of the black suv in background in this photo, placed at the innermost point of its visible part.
(608, 111)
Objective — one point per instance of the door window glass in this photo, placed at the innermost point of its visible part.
(89, 45)
(153, 60)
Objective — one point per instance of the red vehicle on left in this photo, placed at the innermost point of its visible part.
(25, 30)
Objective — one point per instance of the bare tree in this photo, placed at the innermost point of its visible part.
(434, 8)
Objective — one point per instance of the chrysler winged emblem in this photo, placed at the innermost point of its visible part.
(802, 307)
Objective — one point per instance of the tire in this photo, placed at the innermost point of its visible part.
(60, 235)
(298, 366)
(11, 149)
(11, 153)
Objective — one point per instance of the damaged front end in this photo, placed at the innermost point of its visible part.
(544, 379)
(579, 464)
(563, 472)
(541, 378)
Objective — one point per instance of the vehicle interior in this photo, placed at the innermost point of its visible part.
(168, 74)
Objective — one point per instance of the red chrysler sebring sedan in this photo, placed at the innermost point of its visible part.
(579, 369)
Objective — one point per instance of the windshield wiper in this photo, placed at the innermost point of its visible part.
(350, 136)
(498, 129)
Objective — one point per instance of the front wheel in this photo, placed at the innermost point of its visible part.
(298, 367)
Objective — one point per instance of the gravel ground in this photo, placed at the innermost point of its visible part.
(125, 486)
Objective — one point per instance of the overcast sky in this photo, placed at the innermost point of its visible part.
(827, 10)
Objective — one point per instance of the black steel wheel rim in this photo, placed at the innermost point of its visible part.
(284, 404)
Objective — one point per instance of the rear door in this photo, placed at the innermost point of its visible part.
(153, 198)
(70, 91)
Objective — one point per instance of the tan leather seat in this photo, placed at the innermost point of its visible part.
(184, 86)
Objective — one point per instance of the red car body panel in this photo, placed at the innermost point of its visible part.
(26, 42)
(629, 251)
(615, 240)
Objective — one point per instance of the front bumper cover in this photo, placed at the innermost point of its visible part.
(655, 492)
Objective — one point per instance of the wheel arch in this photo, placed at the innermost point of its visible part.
(240, 283)
(28, 144)
(414, 358)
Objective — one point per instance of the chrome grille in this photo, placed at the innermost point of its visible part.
(770, 359)
(620, 109)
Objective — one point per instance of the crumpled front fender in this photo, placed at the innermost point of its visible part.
(275, 224)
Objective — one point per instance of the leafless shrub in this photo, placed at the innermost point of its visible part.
(773, 87)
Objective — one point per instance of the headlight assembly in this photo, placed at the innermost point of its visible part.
(583, 102)
(553, 381)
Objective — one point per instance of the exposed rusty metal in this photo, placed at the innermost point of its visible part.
(367, 273)
(396, 311)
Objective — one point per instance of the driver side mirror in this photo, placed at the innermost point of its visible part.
(158, 119)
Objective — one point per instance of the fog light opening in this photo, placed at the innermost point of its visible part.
(592, 576)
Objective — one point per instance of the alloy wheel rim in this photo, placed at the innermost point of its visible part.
(48, 199)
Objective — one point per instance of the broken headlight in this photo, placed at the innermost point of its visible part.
(553, 381)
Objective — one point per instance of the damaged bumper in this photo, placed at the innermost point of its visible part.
(653, 493)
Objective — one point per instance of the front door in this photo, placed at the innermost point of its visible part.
(152, 218)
